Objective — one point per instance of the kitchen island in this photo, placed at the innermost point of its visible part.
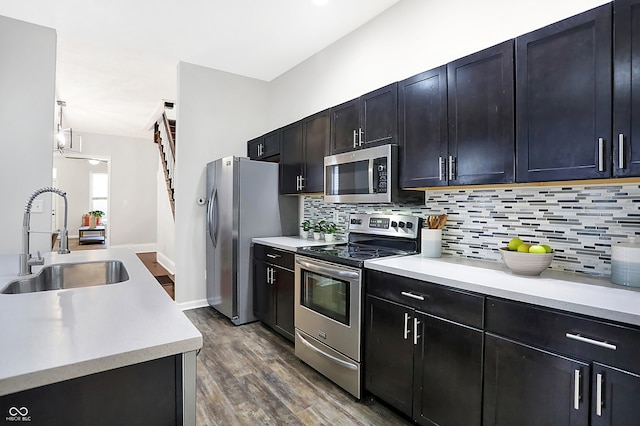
(53, 338)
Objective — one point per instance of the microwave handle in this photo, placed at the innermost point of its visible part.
(371, 174)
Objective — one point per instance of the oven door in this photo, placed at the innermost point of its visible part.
(328, 299)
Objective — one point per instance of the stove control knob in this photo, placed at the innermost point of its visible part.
(400, 224)
(409, 225)
(394, 224)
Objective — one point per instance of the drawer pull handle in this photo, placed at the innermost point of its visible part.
(591, 341)
(599, 394)
(576, 389)
(411, 295)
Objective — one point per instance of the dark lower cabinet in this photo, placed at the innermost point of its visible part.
(614, 397)
(149, 393)
(273, 289)
(563, 92)
(527, 386)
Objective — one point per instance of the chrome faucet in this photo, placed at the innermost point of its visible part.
(26, 261)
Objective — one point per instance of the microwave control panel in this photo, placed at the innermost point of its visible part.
(380, 175)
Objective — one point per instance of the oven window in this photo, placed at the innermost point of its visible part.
(325, 295)
(348, 178)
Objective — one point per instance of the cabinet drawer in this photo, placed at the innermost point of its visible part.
(455, 305)
(565, 333)
(274, 256)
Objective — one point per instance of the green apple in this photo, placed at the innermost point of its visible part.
(547, 248)
(537, 249)
(523, 248)
(514, 244)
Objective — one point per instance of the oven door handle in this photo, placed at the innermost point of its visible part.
(326, 355)
(349, 275)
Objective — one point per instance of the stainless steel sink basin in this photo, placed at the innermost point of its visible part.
(70, 275)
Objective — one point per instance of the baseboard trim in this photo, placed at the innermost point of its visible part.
(166, 263)
(194, 304)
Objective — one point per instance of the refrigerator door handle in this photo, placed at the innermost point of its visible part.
(209, 216)
(212, 220)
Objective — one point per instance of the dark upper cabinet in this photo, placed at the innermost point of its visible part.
(367, 121)
(626, 83)
(304, 146)
(422, 129)
(563, 93)
(266, 147)
(481, 117)
(528, 386)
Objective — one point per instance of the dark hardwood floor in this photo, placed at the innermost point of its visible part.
(247, 375)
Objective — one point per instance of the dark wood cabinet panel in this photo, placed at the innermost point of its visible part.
(626, 89)
(263, 301)
(563, 87)
(448, 373)
(527, 386)
(317, 131)
(422, 133)
(291, 158)
(345, 121)
(266, 147)
(481, 117)
(388, 353)
(616, 393)
(253, 148)
(283, 282)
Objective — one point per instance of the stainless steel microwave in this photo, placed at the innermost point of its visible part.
(363, 176)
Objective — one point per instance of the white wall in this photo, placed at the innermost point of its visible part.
(217, 113)
(27, 87)
(133, 187)
(411, 37)
(166, 226)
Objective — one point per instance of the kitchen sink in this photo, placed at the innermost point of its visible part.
(70, 275)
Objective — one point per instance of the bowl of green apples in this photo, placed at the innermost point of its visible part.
(526, 259)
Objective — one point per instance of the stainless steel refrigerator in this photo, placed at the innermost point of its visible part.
(243, 202)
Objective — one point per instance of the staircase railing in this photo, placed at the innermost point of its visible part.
(164, 136)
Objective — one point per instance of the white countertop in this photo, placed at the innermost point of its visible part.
(291, 243)
(571, 292)
(51, 336)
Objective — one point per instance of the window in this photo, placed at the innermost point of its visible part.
(99, 193)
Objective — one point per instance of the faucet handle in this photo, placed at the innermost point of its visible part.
(39, 260)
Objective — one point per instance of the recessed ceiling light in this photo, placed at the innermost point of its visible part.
(94, 162)
(320, 2)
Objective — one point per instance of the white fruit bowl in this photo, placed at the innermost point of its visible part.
(529, 264)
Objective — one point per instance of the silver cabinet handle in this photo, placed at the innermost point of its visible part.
(621, 151)
(259, 150)
(406, 326)
(600, 154)
(583, 339)
(268, 275)
(273, 276)
(411, 295)
(599, 394)
(360, 133)
(451, 160)
(415, 330)
(326, 355)
(440, 167)
(273, 256)
(301, 182)
(355, 142)
(576, 389)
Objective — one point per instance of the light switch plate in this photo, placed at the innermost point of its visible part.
(37, 206)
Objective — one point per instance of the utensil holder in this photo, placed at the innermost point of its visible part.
(431, 242)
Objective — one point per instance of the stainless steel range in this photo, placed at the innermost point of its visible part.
(329, 293)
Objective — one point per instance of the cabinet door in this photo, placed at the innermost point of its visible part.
(345, 122)
(271, 144)
(448, 373)
(480, 110)
(379, 117)
(626, 87)
(388, 352)
(253, 148)
(616, 393)
(527, 386)
(563, 92)
(291, 158)
(262, 292)
(316, 139)
(283, 285)
(423, 137)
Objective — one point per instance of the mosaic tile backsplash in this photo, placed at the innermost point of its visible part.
(581, 223)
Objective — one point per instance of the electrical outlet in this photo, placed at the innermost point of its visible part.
(37, 206)
(335, 216)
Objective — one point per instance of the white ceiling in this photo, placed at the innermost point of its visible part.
(117, 59)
